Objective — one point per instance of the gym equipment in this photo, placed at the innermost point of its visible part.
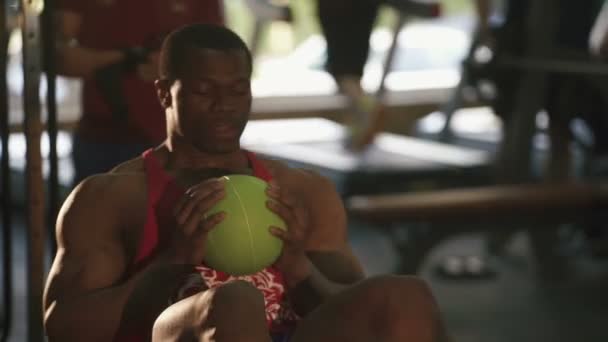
(391, 163)
(241, 244)
(48, 41)
(31, 11)
(442, 214)
(7, 207)
(541, 57)
(405, 10)
(265, 12)
(552, 203)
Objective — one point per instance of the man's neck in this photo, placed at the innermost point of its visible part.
(185, 156)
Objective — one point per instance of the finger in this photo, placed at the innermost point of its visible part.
(301, 216)
(196, 221)
(204, 195)
(296, 216)
(200, 202)
(206, 203)
(274, 184)
(289, 199)
(188, 227)
(280, 209)
(179, 205)
(209, 222)
(282, 234)
(185, 210)
(207, 186)
(277, 193)
(197, 191)
(273, 192)
(191, 215)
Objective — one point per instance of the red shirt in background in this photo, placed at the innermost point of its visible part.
(117, 24)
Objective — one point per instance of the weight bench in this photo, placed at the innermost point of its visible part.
(462, 210)
(392, 163)
(548, 203)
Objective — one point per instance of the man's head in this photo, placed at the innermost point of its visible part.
(204, 86)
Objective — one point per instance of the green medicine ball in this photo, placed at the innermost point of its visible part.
(242, 244)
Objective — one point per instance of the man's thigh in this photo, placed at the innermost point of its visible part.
(385, 308)
(231, 312)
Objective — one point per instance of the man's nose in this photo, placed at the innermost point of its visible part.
(224, 101)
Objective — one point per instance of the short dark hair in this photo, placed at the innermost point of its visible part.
(204, 36)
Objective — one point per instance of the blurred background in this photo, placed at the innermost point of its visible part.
(449, 190)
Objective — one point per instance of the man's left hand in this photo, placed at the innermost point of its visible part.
(293, 262)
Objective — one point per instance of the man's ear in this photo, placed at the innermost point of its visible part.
(163, 92)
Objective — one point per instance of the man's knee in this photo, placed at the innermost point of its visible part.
(233, 298)
(404, 306)
(234, 311)
(396, 297)
(395, 289)
(214, 310)
(175, 322)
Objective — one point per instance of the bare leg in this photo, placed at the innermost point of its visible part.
(232, 312)
(386, 308)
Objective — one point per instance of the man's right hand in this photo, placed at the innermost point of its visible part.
(192, 225)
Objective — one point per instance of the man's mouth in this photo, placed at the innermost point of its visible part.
(224, 129)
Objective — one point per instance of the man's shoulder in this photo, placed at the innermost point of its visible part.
(306, 178)
(135, 165)
(116, 184)
(118, 197)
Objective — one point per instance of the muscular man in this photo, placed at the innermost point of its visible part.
(129, 266)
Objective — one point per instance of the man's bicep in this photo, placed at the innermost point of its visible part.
(328, 219)
(338, 266)
(89, 255)
(329, 248)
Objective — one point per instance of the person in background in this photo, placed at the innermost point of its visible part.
(112, 46)
(347, 26)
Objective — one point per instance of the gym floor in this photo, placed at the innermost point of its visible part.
(514, 306)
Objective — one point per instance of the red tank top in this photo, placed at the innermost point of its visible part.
(163, 192)
(117, 24)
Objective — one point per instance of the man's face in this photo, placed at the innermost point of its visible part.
(211, 100)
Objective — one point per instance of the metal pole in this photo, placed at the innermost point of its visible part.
(514, 155)
(32, 10)
(388, 62)
(7, 303)
(48, 29)
(405, 10)
(551, 65)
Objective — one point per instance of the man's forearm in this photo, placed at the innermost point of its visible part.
(126, 308)
(326, 273)
(310, 292)
(77, 61)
